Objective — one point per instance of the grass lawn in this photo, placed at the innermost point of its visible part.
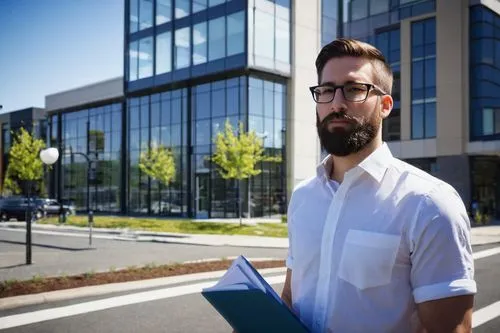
(176, 226)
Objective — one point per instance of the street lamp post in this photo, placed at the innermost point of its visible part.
(54, 153)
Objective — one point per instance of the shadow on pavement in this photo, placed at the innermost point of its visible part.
(47, 246)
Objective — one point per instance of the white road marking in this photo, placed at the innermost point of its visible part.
(485, 314)
(486, 253)
(108, 303)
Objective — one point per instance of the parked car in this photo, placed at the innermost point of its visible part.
(16, 207)
(53, 207)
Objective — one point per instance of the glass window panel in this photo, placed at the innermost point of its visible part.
(232, 100)
(264, 40)
(256, 99)
(279, 105)
(430, 73)
(430, 31)
(155, 136)
(182, 48)
(155, 114)
(212, 3)
(202, 100)
(417, 34)
(200, 43)
(283, 40)
(164, 52)
(202, 132)
(145, 115)
(134, 139)
(417, 121)
(199, 5)
(217, 126)
(488, 121)
(116, 141)
(165, 137)
(497, 121)
(133, 59)
(268, 134)
(176, 110)
(430, 120)
(163, 11)
(216, 39)
(176, 135)
(256, 123)
(268, 99)
(359, 9)
(165, 112)
(134, 117)
(278, 133)
(146, 14)
(417, 74)
(235, 33)
(145, 57)
(181, 8)
(218, 103)
(144, 138)
(379, 6)
(134, 16)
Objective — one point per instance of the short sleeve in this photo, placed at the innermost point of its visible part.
(441, 252)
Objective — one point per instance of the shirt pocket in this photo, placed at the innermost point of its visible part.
(368, 258)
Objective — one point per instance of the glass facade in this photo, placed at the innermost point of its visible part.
(159, 119)
(423, 79)
(97, 133)
(484, 74)
(269, 35)
(185, 118)
(389, 43)
(187, 39)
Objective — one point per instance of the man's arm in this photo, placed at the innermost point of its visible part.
(286, 294)
(447, 315)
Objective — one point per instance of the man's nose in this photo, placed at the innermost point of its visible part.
(338, 103)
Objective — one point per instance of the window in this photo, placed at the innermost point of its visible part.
(379, 6)
(217, 39)
(133, 52)
(235, 33)
(282, 40)
(145, 57)
(134, 16)
(163, 52)
(359, 9)
(212, 3)
(145, 14)
(182, 48)
(200, 43)
(199, 5)
(163, 11)
(264, 40)
(181, 8)
(423, 71)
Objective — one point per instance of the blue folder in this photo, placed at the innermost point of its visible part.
(249, 304)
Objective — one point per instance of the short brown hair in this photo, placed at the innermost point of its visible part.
(343, 47)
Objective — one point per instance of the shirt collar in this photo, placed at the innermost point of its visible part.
(376, 164)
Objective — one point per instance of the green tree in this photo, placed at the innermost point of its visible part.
(24, 163)
(158, 163)
(238, 155)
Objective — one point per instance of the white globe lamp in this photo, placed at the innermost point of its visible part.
(49, 156)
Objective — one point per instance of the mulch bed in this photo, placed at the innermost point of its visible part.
(39, 285)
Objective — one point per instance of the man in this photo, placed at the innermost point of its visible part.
(376, 245)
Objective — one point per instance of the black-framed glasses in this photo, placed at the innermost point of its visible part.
(352, 91)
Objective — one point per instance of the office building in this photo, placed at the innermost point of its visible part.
(190, 65)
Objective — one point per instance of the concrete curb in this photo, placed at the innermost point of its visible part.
(104, 289)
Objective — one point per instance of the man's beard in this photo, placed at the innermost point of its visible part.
(343, 141)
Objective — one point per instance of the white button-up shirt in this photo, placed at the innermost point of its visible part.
(364, 252)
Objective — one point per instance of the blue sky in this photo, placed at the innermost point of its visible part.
(48, 46)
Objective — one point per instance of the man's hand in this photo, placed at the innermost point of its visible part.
(447, 315)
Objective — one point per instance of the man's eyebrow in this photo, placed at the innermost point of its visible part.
(331, 83)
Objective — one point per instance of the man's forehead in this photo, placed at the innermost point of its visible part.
(345, 69)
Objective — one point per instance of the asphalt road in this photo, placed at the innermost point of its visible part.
(58, 255)
(190, 312)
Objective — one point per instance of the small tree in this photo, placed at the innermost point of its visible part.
(24, 166)
(158, 163)
(237, 155)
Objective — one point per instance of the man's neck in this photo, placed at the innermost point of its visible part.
(342, 164)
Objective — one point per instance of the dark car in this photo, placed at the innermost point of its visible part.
(53, 207)
(16, 207)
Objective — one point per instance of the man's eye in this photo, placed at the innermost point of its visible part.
(356, 89)
(327, 91)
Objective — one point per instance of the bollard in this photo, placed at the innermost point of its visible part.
(91, 222)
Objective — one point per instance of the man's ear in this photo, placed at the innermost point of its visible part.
(386, 105)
